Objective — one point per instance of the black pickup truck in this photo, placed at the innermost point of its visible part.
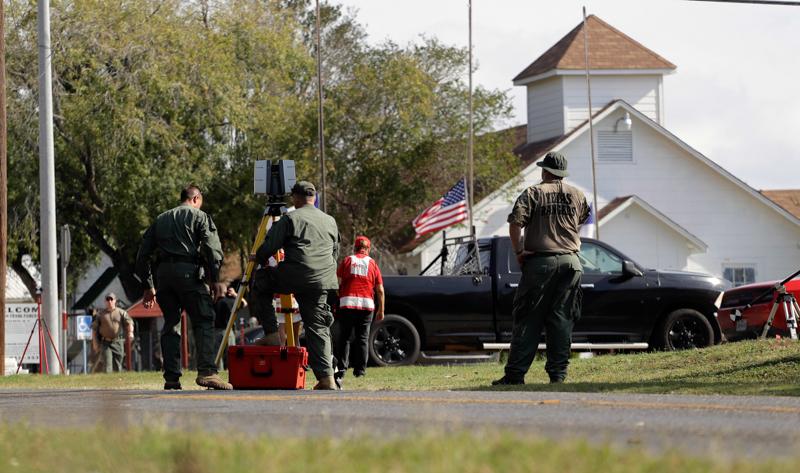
(626, 306)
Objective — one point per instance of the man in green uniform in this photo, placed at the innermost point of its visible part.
(179, 234)
(548, 294)
(310, 240)
(107, 334)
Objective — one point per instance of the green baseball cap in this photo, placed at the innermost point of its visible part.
(304, 188)
(556, 163)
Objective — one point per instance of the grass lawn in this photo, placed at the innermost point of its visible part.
(155, 449)
(759, 367)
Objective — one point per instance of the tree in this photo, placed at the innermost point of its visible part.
(149, 96)
(154, 95)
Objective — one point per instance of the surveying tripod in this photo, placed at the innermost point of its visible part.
(272, 212)
(42, 325)
(785, 299)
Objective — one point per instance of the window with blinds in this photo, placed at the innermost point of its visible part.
(614, 146)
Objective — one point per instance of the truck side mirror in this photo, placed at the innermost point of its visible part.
(629, 269)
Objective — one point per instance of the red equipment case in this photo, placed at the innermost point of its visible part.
(252, 367)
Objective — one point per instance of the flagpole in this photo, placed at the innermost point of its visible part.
(321, 121)
(471, 180)
(591, 127)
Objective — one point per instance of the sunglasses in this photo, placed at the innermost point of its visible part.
(109, 298)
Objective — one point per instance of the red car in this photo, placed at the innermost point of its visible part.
(754, 318)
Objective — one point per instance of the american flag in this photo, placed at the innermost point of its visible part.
(449, 210)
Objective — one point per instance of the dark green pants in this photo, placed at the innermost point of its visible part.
(179, 290)
(314, 310)
(547, 296)
(111, 354)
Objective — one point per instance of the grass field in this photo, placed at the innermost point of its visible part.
(155, 449)
(759, 367)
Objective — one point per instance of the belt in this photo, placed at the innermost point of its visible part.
(110, 339)
(544, 254)
(168, 258)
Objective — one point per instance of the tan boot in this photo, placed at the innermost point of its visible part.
(326, 384)
(269, 340)
(213, 381)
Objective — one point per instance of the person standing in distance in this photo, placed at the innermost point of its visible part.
(310, 240)
(359, 277)
(223, 308)
(548, 294)
(107, 331)
(180, 233)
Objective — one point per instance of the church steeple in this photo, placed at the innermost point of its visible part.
(621, 68)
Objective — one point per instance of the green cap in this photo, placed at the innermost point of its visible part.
(304, 188)
(556, 163)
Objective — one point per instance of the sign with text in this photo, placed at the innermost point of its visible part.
(20, 319)
(84, 327)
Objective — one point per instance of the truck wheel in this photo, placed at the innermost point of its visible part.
(683, 329)
(394, 342)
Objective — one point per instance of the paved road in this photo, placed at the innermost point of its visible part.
(724, 426)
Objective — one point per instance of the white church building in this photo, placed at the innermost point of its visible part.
(662, 203)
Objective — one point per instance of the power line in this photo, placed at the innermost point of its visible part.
(761, 2)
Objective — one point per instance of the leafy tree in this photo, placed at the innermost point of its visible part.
(149, 96)
(153, 95)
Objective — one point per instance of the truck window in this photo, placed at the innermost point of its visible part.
(597, 260)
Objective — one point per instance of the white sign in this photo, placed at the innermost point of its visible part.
(84, 327)
(20, 319)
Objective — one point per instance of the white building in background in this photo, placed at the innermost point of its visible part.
(662, 203)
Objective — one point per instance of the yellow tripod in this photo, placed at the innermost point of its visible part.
(272, 211)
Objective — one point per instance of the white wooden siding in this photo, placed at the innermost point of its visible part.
(545, 109)
(639, 91)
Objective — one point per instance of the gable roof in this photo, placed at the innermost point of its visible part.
(618, 205)
(609, 49)
(788, 199)
(541, 148)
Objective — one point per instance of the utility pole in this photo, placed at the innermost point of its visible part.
(3, 191)
(323, 204)
(47, 183)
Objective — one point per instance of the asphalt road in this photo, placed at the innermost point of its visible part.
(721, 426)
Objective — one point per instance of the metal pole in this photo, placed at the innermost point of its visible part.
(471, 181)
(591, 126)
(47, 181)
(323, 204)
(84, 357)
(3, 192)
(66, 246)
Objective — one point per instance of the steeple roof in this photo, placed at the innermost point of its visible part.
(609, 49)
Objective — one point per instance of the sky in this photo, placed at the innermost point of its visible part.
(735, 97)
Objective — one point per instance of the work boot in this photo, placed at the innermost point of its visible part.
(507, 381)
(172, 385)
(269, 340)
(556, 379)
(326, 384)
(213, 381)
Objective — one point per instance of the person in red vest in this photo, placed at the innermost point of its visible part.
(359, 278)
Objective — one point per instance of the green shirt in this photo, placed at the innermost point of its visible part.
(310, 240)
(551, 213)
(180, 232)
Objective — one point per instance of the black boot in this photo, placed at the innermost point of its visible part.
(507, 380)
